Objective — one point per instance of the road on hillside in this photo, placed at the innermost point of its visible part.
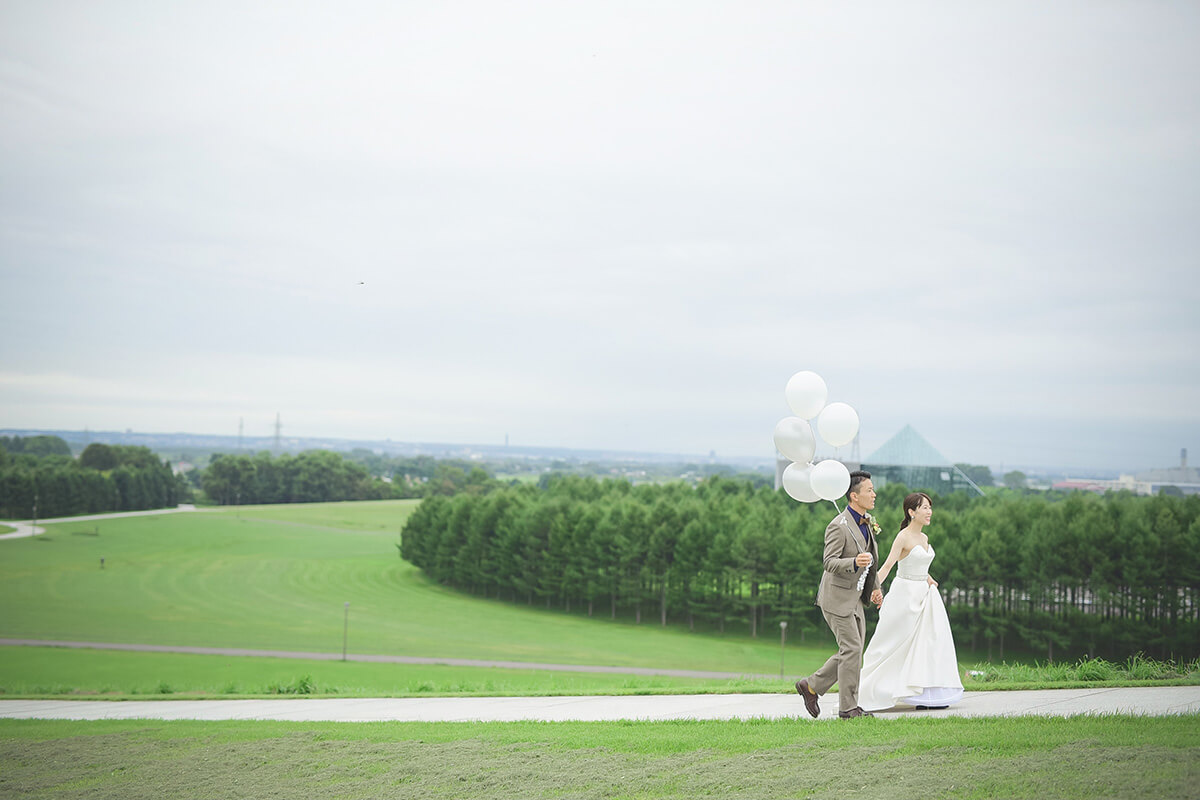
(383, 659)
(26, 527)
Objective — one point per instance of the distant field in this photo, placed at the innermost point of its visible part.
(277, 578)
(59, 672)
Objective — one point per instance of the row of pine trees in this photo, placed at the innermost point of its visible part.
(1055, 575)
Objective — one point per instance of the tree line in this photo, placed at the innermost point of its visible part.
(316, 476)
(1055, 574)
(40, 478)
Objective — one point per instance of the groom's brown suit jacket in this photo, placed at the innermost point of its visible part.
(838, 593)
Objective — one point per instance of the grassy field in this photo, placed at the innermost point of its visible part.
(55, 672)
(1044, 758)
(52, 672)
(277, 578)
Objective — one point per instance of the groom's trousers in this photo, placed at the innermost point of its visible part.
(844, 667)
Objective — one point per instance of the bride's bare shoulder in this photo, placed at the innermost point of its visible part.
(907, 541)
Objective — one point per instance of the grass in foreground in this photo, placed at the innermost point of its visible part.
(110, 674)
(1078, 757)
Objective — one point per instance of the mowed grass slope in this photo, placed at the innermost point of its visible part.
(55, 672)
(277, 578)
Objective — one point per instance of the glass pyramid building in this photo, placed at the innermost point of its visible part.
(909, 459)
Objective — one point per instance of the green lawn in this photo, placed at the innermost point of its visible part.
(277, 578)
(56, 672)
(1031, 757)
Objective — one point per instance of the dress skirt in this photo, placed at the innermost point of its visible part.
(911, 658)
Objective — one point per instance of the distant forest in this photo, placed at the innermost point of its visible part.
(39, 470)
(1063, 575)
(40, 478)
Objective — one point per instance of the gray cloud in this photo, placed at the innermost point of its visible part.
(606, 224)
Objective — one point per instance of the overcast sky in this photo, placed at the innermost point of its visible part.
(606, 224)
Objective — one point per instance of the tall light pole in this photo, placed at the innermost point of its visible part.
(345, 630)
(782, 641)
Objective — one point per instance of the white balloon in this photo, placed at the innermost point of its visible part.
(830, 479)
(838, 424)
(806, 394)
(794, 438)
(796, 482)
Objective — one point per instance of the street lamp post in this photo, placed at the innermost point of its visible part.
(782, 641)
(345, 630)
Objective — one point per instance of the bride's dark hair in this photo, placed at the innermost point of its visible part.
(911, 503)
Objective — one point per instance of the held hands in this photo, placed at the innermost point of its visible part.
(877, 598)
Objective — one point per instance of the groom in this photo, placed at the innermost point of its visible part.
(850, 551)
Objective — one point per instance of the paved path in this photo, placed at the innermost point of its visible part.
(1155, 701)
(26, 527)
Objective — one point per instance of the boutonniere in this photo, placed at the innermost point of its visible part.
(872, 524)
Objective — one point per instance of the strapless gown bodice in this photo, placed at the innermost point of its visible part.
(915, 566)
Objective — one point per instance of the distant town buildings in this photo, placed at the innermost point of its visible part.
(1123, 483)
(1183, 478)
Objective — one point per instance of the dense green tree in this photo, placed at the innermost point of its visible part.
(36, 446)
(980, 475)
(59, 485)
(1062, 575)
(310, 477)
(1015, 480)
(98, 456)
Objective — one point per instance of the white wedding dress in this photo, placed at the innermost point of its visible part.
(911, 658)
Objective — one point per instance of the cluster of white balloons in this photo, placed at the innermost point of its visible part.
(838, 425)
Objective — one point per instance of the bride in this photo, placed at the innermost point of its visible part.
(911, 658)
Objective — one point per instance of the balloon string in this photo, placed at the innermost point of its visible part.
(835, 505)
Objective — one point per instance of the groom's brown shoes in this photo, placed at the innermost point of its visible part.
(854, 712)
(810, 698)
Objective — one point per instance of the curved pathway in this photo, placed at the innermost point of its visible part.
(26, 527)
(380, 659)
